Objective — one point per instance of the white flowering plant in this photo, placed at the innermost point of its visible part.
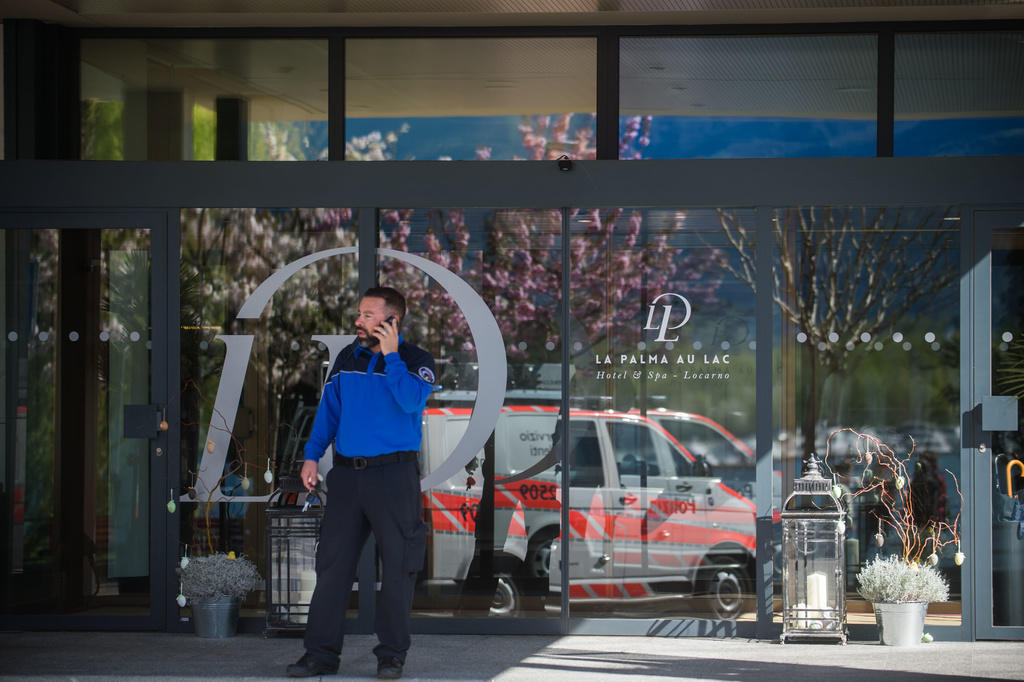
(206, 577)
(891, 579)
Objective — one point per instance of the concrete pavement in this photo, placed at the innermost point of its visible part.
(41, 656)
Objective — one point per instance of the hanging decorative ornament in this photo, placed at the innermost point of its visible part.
(841, 527)
(210, 447)
(900, 482)
(879, 539)
(180, 598)
(246, 483)
(933, 559)
(867, 476)
(171, 506)
(268, 475)
(837, 491)
(959, 558)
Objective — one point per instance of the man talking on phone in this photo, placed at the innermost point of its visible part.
(371, 411)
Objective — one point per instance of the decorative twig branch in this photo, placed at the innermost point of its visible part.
(895, 494)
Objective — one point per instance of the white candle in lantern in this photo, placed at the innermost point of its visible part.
(816, 592)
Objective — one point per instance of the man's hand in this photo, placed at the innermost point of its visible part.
(309, 472)
(387, 333)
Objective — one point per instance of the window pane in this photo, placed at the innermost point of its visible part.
(169, 100)
(663, 312)
(868, 336)
(226, 253)
(470, 98)
(959, 94)
(492, 524)
(742, 97)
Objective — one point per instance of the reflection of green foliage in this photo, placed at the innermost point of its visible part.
(204, 133)
(843, 274)
(102, 130)
(287, 141)
(1010, 369)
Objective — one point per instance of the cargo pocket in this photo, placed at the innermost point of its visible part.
(416, 548)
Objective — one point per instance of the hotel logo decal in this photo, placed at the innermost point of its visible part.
(483, 327)
(666, 313)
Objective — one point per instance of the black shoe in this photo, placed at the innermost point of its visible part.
(309, 667)
(389, 668)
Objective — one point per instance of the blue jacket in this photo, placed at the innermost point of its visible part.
(373, 405)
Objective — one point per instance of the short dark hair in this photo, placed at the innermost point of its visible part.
(391, 297)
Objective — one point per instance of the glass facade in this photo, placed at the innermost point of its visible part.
(747, 96)
(200, 100)
(470, 98)
(610, 346)
(959, 94)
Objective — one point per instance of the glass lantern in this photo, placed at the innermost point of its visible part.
(814, 565)
(292, 536)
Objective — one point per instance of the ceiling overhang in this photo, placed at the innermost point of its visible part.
(497, 13)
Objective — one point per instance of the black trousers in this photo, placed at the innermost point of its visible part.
(386, 500)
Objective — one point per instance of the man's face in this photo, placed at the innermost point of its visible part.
(372, 312)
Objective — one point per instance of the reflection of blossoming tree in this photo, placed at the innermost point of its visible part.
(517, 267)
(226, 254)
(374, 146)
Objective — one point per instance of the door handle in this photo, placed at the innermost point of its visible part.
(627, 499)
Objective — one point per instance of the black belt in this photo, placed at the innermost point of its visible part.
(360, 463)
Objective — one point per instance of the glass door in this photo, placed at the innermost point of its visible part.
(82, 472)
(999, 453)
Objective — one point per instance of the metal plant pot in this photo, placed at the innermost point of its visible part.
(216, 617)
(900, 624)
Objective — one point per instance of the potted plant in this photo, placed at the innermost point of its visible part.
(901, 586)
(215, 586)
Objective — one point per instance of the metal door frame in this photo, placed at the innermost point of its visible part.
(977, 377)
(163, 467)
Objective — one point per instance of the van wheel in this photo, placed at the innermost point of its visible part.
(538, 554)
(506, 599)
(725, 588)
